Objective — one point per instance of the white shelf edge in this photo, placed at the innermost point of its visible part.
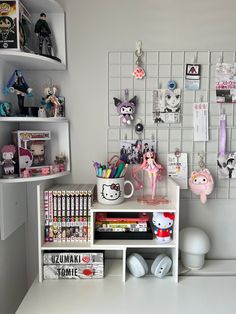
(35, 179)
(33, 119)
(31, 61)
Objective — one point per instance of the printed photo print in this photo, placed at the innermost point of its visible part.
(225, 82)
(131, 151)
(166, 105)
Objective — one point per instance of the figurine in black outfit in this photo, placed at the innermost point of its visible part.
(43, 32)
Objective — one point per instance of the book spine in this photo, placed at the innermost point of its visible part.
(63, 216)
(50, 196)
(72, 216)
(59, 216)
(68, 216)
(55, 217)
(46, 217)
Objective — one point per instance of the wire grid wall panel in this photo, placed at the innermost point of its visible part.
(160, 67)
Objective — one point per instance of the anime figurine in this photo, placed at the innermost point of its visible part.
(5, 109)
(154, 170)
(60, 162)
(18, 85)
(7, 27)
(42, 113)
(52, 101)
(201, 183)
(43, 31)
(126, 108)
(38, 152)
(163, 223)
(25, 158)
(8, 152)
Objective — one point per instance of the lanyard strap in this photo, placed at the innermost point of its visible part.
(222, 134)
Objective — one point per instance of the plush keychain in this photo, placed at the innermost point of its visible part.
(201, 182)
(126, 108)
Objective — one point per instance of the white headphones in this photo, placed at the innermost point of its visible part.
(138, 266)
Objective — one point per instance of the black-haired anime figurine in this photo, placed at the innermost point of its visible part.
(7, 27)
(43, 31)
(18, 85)
(126, 108)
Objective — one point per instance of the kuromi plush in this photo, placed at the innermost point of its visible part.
(201, 183)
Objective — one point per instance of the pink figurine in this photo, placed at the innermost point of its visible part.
(201, 183)
(163, 223)
(8, 152)
(155, 171)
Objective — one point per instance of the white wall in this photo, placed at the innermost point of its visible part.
(96, 27)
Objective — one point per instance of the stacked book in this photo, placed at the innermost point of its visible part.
(73, 265)
(67, 212)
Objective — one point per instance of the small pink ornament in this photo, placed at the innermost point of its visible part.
(139, 73)
(201, 183)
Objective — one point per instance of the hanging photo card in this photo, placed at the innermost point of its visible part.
(200, 122)
(166, 105)
(225, 82)
(192, 76)
(131, 151)
(177, 169)
(227, 166)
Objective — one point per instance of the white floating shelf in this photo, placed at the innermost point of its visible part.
(30, 61)
(34, 179)
(133, 206)
(133, 243)
(33, 119)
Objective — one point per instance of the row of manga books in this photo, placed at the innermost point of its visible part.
(67, 212)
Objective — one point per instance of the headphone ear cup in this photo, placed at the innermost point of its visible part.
(137, 265)
(161, 266)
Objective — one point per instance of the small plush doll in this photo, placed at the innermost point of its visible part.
(201, 183)
(8, 152)
(126, 108)
(163, 223)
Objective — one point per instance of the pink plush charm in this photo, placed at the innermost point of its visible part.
(201, 183)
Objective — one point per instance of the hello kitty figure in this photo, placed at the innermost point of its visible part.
(163, 223)
(201, 183)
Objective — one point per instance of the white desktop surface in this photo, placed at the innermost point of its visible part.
(192, 295)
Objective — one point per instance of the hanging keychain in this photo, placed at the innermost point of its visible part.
(139, 72)
(201, 182)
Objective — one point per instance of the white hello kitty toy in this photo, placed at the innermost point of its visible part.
(163, 223)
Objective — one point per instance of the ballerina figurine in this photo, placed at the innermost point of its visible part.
(155, 171)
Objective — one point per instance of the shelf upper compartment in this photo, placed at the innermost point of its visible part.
(30, 61)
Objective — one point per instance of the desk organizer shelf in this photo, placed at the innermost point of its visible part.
(121, 246)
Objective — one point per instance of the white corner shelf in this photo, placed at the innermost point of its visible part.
(30, 61)
(37, 178)
(33, 119)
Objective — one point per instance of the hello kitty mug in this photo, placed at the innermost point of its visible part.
(111, 191)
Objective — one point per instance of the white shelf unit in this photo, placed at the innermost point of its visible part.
(56, 20)
(122, 247)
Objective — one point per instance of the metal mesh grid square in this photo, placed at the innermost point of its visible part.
(160, 67)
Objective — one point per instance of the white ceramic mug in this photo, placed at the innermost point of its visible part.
(111, 191)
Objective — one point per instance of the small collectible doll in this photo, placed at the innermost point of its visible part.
(163, 223)
(8, 164)
(5, 109)
(38, 151)
(25, 159)
(18, 85)
(60, 161)
(52, 101)
(126, 108)
(154, 170)
(43, 31)
(201, 183)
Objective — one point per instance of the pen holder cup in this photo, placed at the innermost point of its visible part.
(111, 191)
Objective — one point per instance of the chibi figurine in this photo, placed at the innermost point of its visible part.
(201, 183)
(126, 108)
(163, 223)
(43, 31)
(42, 113)
(52, 101)
(8, 152)
(25, 159)
(38, 151)
(60, 162)
(7, 28)
(5, 109)
(155, 171)
(18, 85)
